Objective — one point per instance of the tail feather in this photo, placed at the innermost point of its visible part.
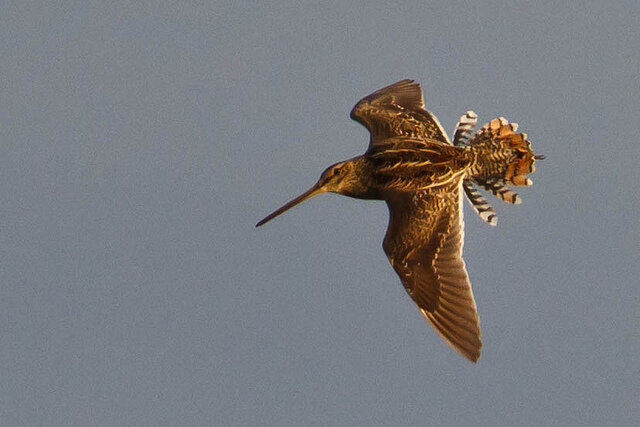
(500, 190)
(503, 157)
(464, 127)
(479, 204)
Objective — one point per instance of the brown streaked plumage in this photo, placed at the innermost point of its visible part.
(412, 166)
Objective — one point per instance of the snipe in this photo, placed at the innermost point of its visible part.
(412, 165)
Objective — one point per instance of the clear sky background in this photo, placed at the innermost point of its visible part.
(140, 142)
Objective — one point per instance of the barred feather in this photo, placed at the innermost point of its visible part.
(499, 189)
(464, 127)
(479, 204)
(504, 157)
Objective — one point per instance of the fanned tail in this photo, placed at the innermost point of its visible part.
(503, 155)
(504, 158)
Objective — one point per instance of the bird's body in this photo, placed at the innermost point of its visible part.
(412, 166)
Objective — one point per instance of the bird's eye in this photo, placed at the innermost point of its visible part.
(337, 171)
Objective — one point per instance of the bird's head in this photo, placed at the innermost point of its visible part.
(336, 177)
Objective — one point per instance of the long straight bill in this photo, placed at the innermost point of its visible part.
(301, 198)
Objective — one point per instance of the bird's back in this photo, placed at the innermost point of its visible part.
(413, 164)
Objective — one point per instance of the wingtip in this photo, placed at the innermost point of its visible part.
(474, 356)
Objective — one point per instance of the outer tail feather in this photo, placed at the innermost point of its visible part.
(479, 204)
(464, 127)
(500, 190)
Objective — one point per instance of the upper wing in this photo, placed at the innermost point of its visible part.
(397, 110)
(424, 244)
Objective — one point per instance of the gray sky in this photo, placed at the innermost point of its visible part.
(140, 144)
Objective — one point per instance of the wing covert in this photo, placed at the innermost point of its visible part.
(397, 110)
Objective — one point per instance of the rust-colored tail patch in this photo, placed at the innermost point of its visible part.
(504, 158)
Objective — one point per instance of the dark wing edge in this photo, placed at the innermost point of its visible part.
(427, 255)
(397, 110)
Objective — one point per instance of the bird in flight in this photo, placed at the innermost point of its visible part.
(423, 176)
